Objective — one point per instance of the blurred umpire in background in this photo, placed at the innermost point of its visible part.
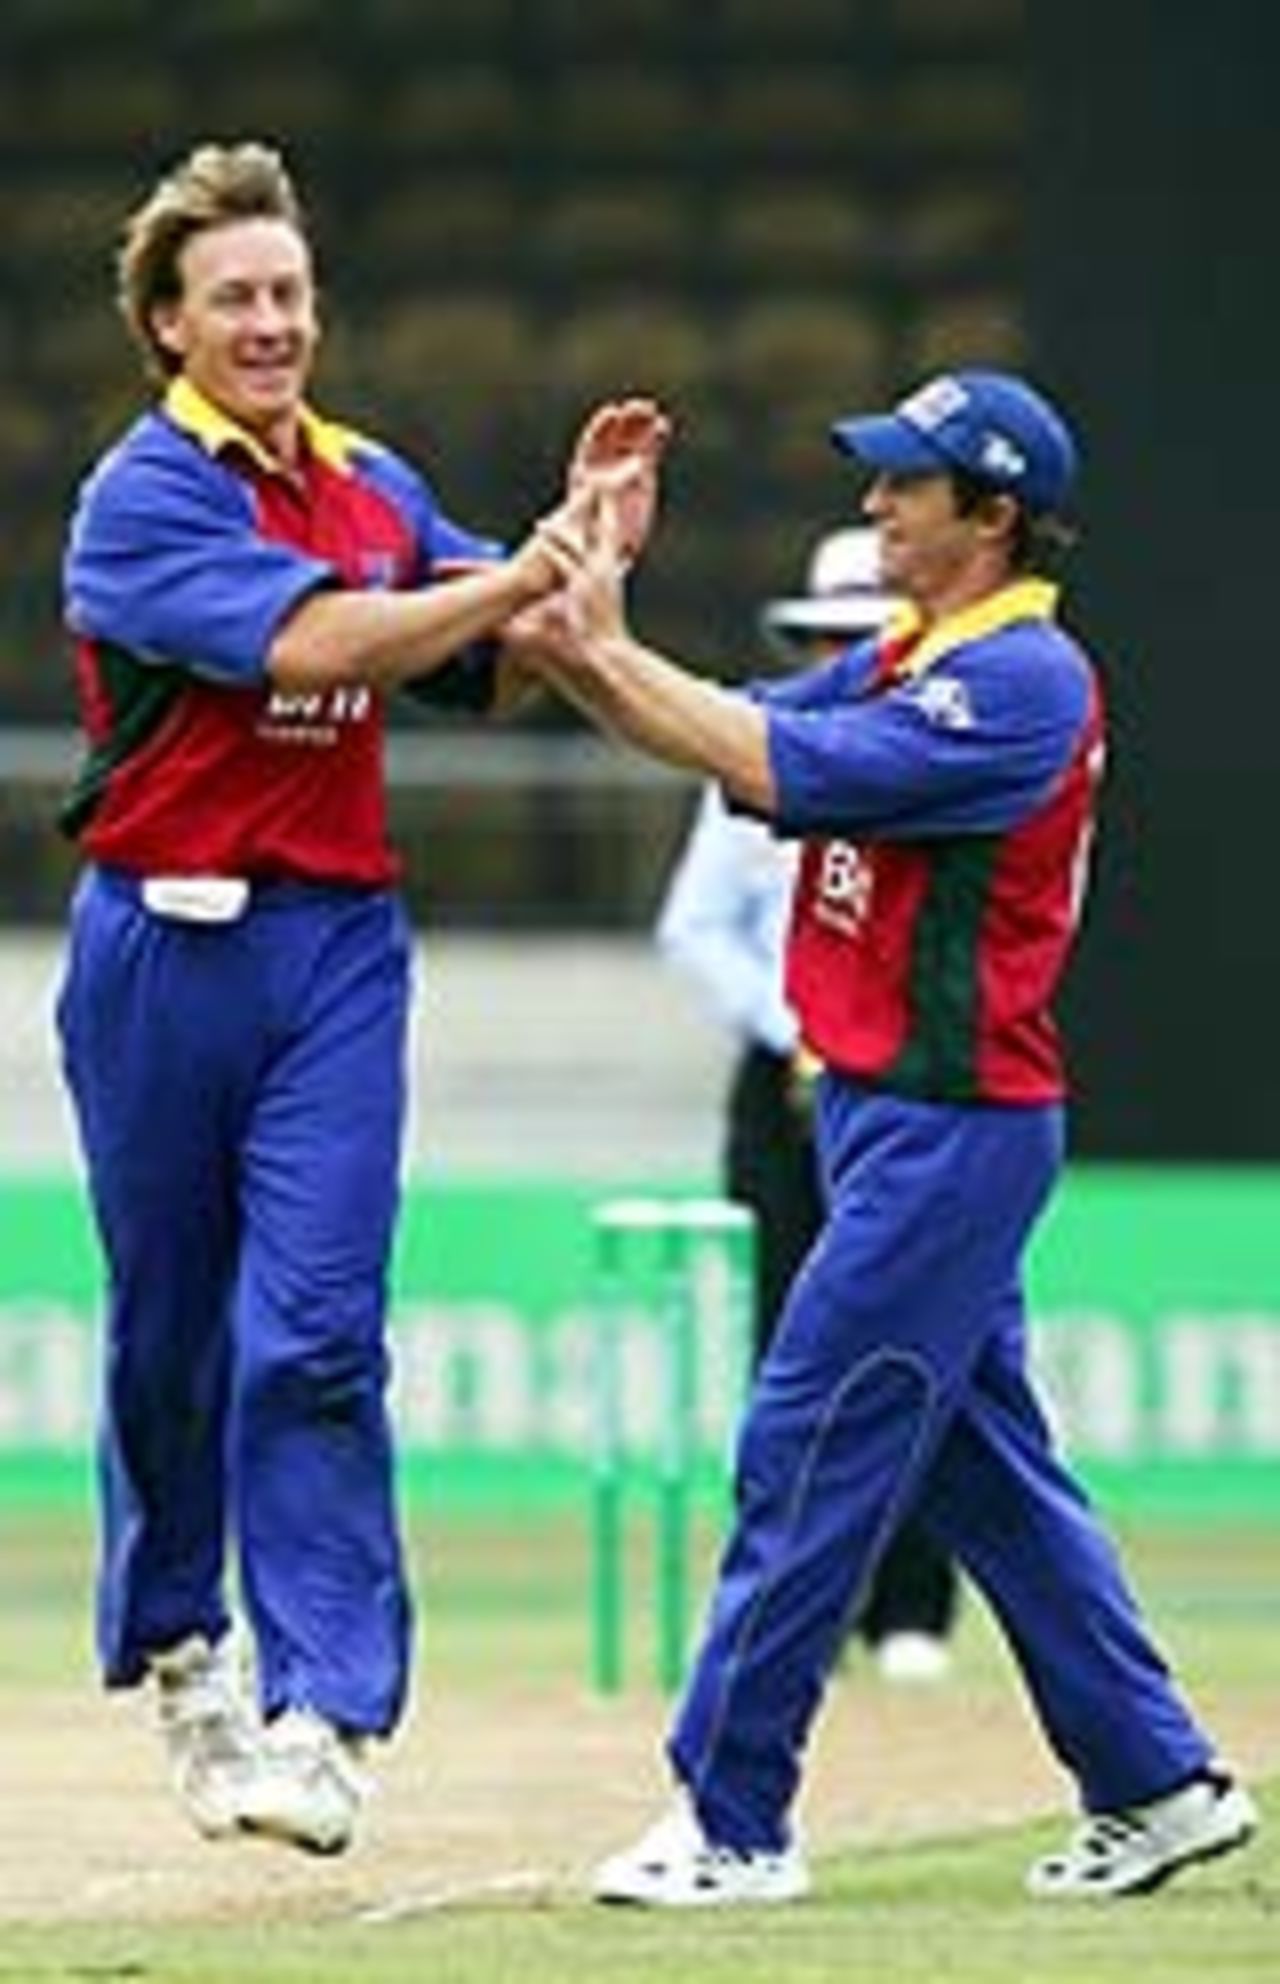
(723, 924)
(244, 581)
(942, 779)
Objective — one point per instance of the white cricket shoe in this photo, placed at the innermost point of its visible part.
(209, 1730)
(1132, 1852)
(309, 1786)
(675, 1865)
(910, 1657)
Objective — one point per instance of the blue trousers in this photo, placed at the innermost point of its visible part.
(240, 1095)
(896, 1386)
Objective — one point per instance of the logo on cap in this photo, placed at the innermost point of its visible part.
(1000, 458)
(992, 424)
(933, 405)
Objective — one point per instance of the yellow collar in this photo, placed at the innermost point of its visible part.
(215, 430)
(1022, 599)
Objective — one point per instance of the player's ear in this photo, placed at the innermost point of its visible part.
(164, 321)
(997, 513)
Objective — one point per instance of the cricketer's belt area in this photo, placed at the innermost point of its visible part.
(219, 899)
(195, 898)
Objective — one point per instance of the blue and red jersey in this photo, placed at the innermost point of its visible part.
(944, 784)
(190, 546)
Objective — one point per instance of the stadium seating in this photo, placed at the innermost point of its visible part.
(431, 347)
(760, 211)
(477, 234)
(611, 116)
(950, 328)
(636, 233)
(777, 235)
(646, 342)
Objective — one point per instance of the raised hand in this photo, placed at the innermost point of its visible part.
(619, 449)
(595, 599)
(559, 636)
(558, 542)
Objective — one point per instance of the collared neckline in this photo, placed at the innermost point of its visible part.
(216, 431)
(1022, 599)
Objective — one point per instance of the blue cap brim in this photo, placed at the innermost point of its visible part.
(886, 442)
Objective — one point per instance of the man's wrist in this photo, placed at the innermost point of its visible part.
(614, 650)
(529, 576)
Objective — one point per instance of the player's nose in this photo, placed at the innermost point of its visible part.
(875, 500)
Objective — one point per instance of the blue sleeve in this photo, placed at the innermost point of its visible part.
(444, 547)
(469, 679)
(845, 674)
(971, 746)
(165, 559)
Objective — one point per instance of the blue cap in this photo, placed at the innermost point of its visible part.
(991, 424)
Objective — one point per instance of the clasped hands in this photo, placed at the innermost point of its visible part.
(581, 551)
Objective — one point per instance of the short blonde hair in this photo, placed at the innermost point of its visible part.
(214, 184)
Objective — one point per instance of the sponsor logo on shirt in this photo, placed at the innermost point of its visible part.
(843, 897)
(944, 701)
(379, 570)
(314, 716)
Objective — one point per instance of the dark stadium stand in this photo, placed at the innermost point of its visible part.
(769, 213)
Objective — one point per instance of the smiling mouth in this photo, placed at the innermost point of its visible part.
(268, 371)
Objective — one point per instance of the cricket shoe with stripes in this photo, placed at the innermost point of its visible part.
(209, 1728)
(675, 1865)
(1134, 1851)
(309, 1786)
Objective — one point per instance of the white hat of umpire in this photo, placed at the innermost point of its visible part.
(844, 596)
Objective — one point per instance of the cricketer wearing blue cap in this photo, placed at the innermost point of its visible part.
(990, 424)
(941, 777)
